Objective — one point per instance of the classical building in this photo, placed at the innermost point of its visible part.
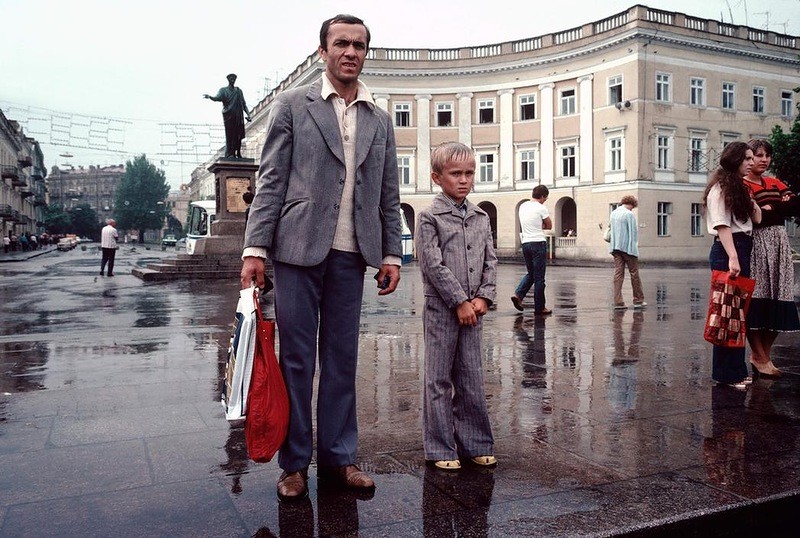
(178, 203)
(23, 197)
(95, 185)
(639, 103)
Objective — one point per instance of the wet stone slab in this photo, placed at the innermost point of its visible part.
(110, 421)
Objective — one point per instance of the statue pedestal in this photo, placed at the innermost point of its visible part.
(233, 177)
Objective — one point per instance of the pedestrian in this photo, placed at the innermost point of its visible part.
(459, 270)
(624, 247)
(772, 308)
(326, 206)
(34, 242)
(730, 214)
(23, 241)
(248, 200)
(534, 219)
(108, 244)
(6, 244)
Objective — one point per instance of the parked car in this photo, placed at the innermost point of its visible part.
(169, 240)
(65, 243)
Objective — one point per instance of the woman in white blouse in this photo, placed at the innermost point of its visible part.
(730, 213)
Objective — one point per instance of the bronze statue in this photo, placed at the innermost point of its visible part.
(233, 107)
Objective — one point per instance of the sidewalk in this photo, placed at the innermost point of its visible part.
(20, 256)
(605, 423)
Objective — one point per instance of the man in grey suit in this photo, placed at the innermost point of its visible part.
(326, 206)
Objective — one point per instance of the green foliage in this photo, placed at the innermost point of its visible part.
(140, 199)
(85, 222)
(56, 221)
(786, 152)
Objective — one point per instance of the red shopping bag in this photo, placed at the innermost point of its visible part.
(728, 302)
(267, 419)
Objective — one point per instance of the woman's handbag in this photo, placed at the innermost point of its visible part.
(728, 302)
(267, 420)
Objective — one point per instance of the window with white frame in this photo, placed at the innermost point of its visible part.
(404, 169)
(402, 114)
(527, 160)
(568, 102)
(568, 161)
(486, 111)
(615, 159)
(664, 151)
(696, 220)
(728, 96)
(698, 160)
(787, 103)
(664, 211)
(697, 91)
(758, 99)
(727, 138)
(485, 167)
(663, 83)
(444, 114)
(527, 107)
(615, 90)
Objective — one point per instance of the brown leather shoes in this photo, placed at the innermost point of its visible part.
(293, 486)
(349, 476)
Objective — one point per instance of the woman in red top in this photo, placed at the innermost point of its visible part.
(772, 309)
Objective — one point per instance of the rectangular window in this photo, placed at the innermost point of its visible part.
(527, 107)
(486, 111)
(697, 155)
(615, 90)
(696, 221)
(568, 161)
(567, 102)
(697, 91)
(758, 99)
(404, 170)
(527, 160)
(663, 81)
(615, 154)
(486, 167)
(663, 144)
(402, 114)
(664, 211)
(786, 104)
(444, 114)
(728, 96)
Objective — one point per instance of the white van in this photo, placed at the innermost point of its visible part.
(201, 215)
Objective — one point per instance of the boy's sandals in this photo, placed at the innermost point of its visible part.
(448, 465)
(485, 461)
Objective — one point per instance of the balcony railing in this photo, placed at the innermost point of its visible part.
(9, 172)
(25, 161)
(6, 211)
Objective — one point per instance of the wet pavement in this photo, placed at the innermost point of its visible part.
(605, 422)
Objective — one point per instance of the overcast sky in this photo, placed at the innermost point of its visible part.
(148, 62)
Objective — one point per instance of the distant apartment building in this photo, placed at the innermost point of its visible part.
(178, 203)
(95, 185)
(639, 103)
(23, 194)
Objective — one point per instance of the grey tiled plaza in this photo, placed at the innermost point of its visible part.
(606, 422)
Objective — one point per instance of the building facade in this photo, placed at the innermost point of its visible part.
(639, 103)
(23, 193)
(96, 185)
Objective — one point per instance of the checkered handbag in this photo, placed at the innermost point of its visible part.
(728, 302)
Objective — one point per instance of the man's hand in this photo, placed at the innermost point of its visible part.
(466, 314)
(393, 272)
(252, 270)
(480, 305)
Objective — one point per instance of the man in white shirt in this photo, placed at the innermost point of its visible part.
(534, 219)
(108, 244)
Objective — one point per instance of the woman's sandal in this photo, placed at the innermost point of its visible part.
(765, 369)
(448, 465)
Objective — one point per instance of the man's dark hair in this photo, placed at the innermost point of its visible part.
(540, 191)
(759, 143)
(344, 19)
(248, 197)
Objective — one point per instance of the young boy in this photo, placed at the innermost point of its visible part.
(458, 263)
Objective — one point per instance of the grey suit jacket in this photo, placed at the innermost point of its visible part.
(301, 177)
(456, 256)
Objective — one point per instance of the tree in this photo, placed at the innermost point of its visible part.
(84, 221)
(56, 221)
(141, 194)
(785, 152)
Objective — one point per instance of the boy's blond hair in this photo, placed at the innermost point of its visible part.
(447, 152)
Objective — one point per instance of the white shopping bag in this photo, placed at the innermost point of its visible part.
(239, 367)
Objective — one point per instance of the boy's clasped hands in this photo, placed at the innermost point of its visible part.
(468, 311)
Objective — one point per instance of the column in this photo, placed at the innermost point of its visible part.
(506, 139)
(381, 101)
(465, 118)
(546, 149)
(587, 136)
(423, 157)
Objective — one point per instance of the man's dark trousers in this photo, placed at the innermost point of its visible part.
(535, 253)
(108, 257)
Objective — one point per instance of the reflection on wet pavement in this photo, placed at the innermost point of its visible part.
(603, 419)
